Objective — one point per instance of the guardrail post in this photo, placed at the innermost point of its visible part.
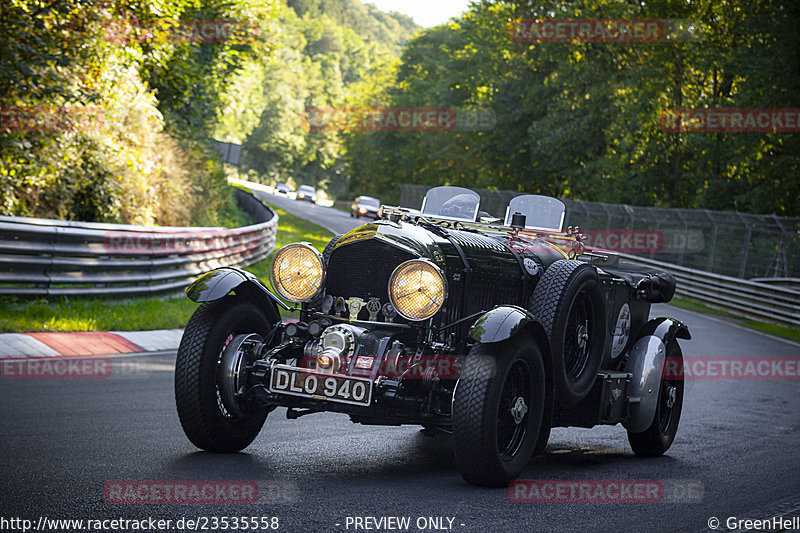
(651, 211)
(780, 261)
(748, 231)
(685, 236)
(712, 248)
(609, 215)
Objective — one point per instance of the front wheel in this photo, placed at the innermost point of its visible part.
(497, 410)
(201, 392)
(657, 438)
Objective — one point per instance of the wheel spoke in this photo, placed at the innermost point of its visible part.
(512, 410)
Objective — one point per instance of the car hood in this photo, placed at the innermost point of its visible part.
(409, 237)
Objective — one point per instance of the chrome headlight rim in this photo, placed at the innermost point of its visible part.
(279, 288)
(436, 269)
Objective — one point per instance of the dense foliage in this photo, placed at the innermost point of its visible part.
(137, 110)
(582, 119)
(108, 107)
(332, 53)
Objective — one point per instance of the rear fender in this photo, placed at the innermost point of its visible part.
(219, 283)
(646, 363)
(666, 329)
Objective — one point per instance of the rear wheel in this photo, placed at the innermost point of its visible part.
(657, 438)
(497, 410)
(202, 395)
(569, 303)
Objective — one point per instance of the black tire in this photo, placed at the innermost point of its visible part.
(657, 438)
(569, 303)
(204, 419)
(544, 436)
(492, 446)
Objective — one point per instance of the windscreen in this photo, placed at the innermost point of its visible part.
(542, 212)
(367, 200)
(451, 202)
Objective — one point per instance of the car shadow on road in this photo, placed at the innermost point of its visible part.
(415, 457)
(240, 465)
(561, 458)
(428, 456)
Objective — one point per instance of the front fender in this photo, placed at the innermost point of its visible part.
(501, 323)
(646, 363)
(221, 282)
(506, 321)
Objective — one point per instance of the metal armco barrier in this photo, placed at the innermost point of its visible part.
(739, 245)
(749, 299)
(40, 257)
(711, 253)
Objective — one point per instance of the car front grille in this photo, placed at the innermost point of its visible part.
(362, 269)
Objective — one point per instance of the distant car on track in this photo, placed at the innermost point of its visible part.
(283, 189)
(365, 206)
(307, 192)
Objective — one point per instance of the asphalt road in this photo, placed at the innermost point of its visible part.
(334, 220)
(736, 454)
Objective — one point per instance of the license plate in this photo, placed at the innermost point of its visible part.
(309, 384)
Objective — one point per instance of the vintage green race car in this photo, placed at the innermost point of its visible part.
(492, 330)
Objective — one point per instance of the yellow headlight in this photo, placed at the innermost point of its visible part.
(298, 272)
(417, 289)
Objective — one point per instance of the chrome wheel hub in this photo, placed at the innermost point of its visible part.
(518, 409)
(232, 375)
(583, 335)
(672, 393)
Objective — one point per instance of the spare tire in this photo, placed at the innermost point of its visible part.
(568, 301)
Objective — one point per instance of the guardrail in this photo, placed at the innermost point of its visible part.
(746, 298)
(42, 257)
(741, 245)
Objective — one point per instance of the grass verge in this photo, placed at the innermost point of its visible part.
(784, 332)
(130, 314)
